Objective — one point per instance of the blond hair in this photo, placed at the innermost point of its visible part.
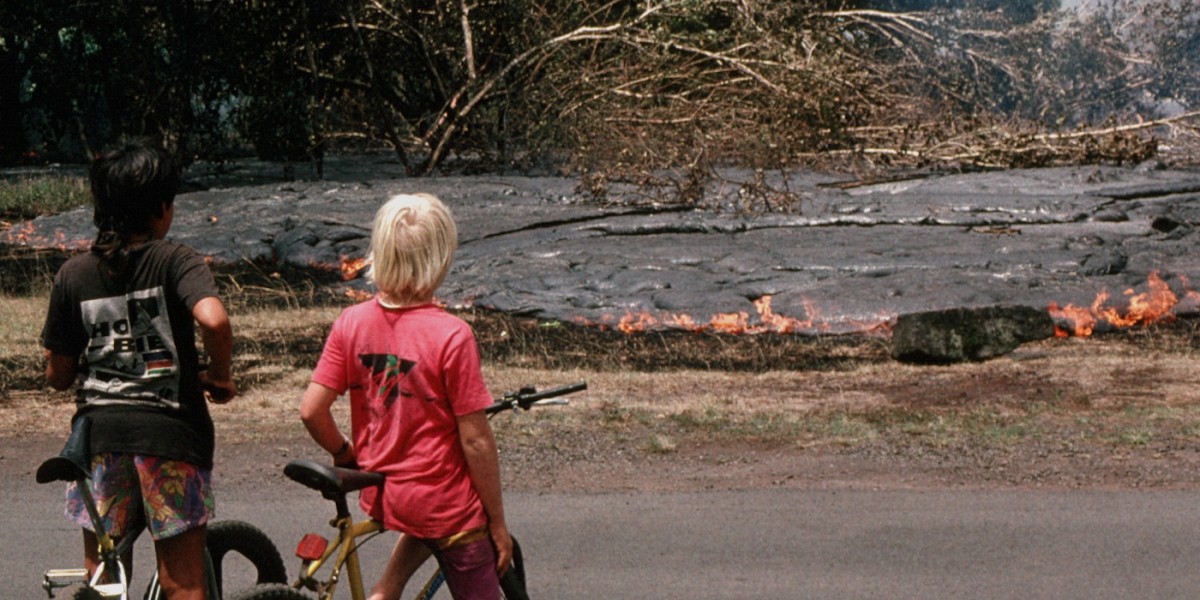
(412, 245)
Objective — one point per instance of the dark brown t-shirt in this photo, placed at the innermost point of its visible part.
(135, 336)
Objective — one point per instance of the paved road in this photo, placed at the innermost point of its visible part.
(779, 543)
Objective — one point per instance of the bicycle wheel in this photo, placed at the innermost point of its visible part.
(243, 539)
(270, 591)
(251, 544)
(512, 583)
(155, 591)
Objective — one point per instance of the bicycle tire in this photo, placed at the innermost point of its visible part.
(243, 539)
(252, 544)
(270, 591)
(155, 592)
(512, 583)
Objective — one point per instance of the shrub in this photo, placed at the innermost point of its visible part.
(30, 197)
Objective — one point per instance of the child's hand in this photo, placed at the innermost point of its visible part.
(346, 457)
(502, 542)
(217, 391)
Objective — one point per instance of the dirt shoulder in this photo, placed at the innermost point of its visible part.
(1122, 412)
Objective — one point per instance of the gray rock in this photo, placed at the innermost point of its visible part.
(967, 334)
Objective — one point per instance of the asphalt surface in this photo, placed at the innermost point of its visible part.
(771, 543)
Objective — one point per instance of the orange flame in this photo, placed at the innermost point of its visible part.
(351, 268)
(27, 235)
(359, 295)
(768, 321)
(1152, 306)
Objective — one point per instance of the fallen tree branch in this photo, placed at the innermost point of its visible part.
(1120, 128)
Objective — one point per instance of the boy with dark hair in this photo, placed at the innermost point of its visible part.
(121, 324)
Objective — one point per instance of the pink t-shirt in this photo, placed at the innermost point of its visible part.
(410, 372)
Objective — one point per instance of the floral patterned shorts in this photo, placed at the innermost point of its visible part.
(173, 496)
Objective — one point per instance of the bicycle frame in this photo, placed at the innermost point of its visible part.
(336, 483)
(341, 554)
(344, 551)
(61, 468)
(71, 465)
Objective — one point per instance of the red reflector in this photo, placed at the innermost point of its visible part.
(311, 547)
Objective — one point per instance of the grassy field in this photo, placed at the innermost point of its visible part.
(1121, 394)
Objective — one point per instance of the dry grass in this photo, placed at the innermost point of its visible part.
(1131, 394)
(20, 352)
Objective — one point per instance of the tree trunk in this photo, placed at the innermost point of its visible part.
(12, 133)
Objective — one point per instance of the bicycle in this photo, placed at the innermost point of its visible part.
(335, 483)
(110, 581)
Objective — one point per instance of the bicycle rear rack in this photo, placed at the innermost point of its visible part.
(61, 578)
(55, 579)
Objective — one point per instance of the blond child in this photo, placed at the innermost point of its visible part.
(417, 400)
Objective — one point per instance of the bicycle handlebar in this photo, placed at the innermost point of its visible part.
(526, 397)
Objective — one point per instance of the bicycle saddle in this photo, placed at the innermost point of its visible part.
(333, 482)
(73, 461)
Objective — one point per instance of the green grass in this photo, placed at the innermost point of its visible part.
(31, 197)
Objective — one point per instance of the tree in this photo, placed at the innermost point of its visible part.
(12, 133)
(632, 86)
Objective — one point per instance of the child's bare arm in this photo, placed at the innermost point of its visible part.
(60, 370)
(217, 336)
(318, 419)
(479, 447)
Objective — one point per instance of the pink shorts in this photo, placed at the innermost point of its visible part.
(470, 570)
(172, 496)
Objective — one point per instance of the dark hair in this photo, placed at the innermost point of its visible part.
(132, 184)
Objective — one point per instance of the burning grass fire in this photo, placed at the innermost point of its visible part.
(741, 323)
(1158, 304)
(351, 268)
(27, 235)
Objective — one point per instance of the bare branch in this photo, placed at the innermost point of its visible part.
(468, 40)
(1121, 129)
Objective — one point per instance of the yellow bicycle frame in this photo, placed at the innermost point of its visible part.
(346, 548)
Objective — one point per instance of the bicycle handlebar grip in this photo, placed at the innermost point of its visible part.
(529, 399)
(526, 399)
(215, 394)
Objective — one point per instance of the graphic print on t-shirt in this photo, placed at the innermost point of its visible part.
(387, 373)
(131, 355)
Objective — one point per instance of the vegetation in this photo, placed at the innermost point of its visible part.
(619, 89)
(30, 197)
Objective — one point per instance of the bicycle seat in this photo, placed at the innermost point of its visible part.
(333, 482)
(72, 463)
